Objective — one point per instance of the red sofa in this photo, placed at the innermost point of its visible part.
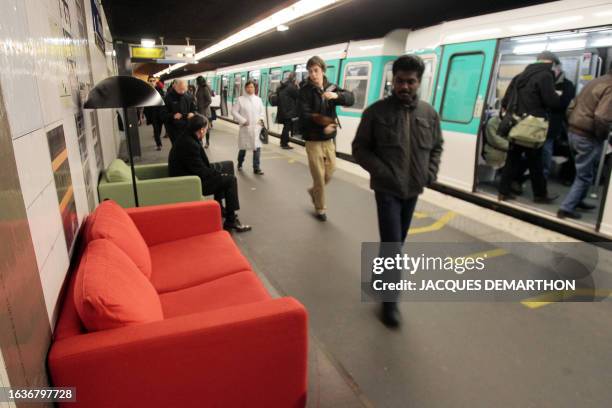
(218, 340)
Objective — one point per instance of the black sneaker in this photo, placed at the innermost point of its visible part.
(236, 225)
(321, 217)
(258, 172)
(287, 147)
(546, 199)
(206, 145)
(505, 197)
(390, 315)
(583, 205)
(568, 214)
(516, 188)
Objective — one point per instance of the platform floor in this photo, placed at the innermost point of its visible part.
(445, 354)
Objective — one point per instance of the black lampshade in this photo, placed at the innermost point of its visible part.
(122, 92)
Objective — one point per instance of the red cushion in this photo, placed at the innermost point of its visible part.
(236, 289)
(110, 221)
(191, 261)
(110, 291)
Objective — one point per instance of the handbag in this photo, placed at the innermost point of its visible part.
(529, 131)
(263, 135)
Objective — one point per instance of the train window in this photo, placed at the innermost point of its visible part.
(301, 72)
(461, 88)
(223, 83)
(275, 78)
(426, 88)
(237, 85)
(357, 80)
(387, 82)
(255, 77)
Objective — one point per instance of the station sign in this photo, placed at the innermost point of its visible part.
(147, 53)
(163, 54)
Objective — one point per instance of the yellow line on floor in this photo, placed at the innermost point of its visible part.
(419, 215)
(554, 297)
(438, 225)
(493, 253)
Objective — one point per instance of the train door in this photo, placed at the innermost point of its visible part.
(223, 91)
(263, 93)
(465, 71)
(275, 77)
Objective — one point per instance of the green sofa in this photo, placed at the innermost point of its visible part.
(154, 185)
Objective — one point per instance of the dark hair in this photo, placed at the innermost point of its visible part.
(201, 80)
(409, 63)
(249, 82)
(150, 76)
(197, 122)
(316, 60)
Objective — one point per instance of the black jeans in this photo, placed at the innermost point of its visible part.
(287, 128)
(394, 218)
(157, 129)
(513, 167)
(223, 186)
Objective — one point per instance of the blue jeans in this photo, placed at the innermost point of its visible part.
(586, 152)
(394, 217)
(256, 158)
(547, 154)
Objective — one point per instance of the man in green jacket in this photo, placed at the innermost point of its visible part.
(399, 142)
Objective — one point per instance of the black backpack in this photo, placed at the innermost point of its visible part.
(273, 98)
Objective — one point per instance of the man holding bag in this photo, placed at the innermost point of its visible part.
(530, 97)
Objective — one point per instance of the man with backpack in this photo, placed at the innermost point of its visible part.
(527, 103)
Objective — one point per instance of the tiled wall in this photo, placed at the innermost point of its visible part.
(37, 89)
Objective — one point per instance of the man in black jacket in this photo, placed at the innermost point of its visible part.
(155, 114)
(187, 158)
(557, 128)
(288, 95)
(537, 97)
(317, 111)
(399, 142)
(180, 107)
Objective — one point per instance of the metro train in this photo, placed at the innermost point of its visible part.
(468, 66)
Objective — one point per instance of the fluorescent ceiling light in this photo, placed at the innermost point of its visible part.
(284, 16)
(530, 39)
(529, 48)
(282, 27)
(146, 42)
(567, 35)
(602, 42)
(567, 45)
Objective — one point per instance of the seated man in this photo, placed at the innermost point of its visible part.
(188, 158)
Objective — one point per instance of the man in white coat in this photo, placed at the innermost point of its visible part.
(248, 111)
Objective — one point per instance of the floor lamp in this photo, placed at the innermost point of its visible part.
(124, 92)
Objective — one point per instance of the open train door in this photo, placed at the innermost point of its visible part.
(465, 71)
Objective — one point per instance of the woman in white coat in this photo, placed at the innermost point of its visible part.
(248, 111)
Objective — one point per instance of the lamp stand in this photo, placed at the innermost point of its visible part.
(129, 144)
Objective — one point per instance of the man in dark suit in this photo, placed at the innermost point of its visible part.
(180, 107)
(188, 158)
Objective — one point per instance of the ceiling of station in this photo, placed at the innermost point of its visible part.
(207, 22)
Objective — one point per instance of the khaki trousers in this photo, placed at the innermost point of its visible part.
(322, 162)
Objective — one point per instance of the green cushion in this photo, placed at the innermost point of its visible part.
(118, 172)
